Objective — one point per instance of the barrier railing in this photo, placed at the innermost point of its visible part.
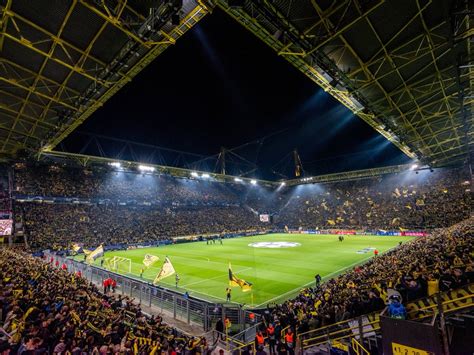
(367, 325)
(358, 348)
(190, 310)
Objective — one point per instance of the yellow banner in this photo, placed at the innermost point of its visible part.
(399, 349)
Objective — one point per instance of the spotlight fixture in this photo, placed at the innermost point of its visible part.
(253, 182)
(146, 168)
(238, 179)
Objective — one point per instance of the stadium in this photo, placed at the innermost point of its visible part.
(236, 177)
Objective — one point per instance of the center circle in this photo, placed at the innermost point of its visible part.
(274, 245)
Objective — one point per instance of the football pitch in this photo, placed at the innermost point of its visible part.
(278, 265)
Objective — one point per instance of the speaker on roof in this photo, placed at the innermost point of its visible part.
(236, 3)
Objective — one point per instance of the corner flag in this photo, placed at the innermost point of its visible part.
(166, 270)
(234, 281)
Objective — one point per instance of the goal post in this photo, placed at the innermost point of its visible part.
(121, 264)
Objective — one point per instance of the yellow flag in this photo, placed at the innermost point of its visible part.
(235, 281)
(149, 260)
(166, 270)
(76, 247)
(98, 252)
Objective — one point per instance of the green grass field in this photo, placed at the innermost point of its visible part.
(276, 273)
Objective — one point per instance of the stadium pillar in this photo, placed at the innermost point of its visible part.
(222, 158)
(442, 324)
(361, 330)
(174, 306)
(188, 314)
(298, 165)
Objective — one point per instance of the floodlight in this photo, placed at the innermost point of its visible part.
(205, 176)
(238, 180)
(115, 164)
(253, 182)
(146, 168)
(414, 166)
(194, 174)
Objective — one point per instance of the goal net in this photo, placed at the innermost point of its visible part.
(121, 264)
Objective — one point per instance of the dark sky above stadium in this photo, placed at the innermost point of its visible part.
(221, 86)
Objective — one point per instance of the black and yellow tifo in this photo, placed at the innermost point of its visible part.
(234, 281)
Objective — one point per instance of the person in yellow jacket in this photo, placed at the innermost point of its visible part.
(433, 285)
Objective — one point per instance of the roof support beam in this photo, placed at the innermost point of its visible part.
(26, 117)
(6, 63)
(40, 94)
(48, 35)
(43, 65)
(117, 23)
(191, 19)
(344, 28)
(4, 23)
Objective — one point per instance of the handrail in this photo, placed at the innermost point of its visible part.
(333, 331)
(283, 330)
(349, 329)
(325, 327)
(358, 348)
(238, 335)
(333, 339)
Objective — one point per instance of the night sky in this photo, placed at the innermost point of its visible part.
(218, 86)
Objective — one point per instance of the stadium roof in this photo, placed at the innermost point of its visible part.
(61, 60)
(403, 66)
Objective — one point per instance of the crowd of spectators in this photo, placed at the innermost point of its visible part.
(56, 226)
(407, 200)
(5, 205)
(416, 269)
(103, 183)
(46, 310)
(134, 208)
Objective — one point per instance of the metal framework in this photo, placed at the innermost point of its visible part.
(228, 161)
(350, 175)
(405, 67)
(61, 60)
(84, 160)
